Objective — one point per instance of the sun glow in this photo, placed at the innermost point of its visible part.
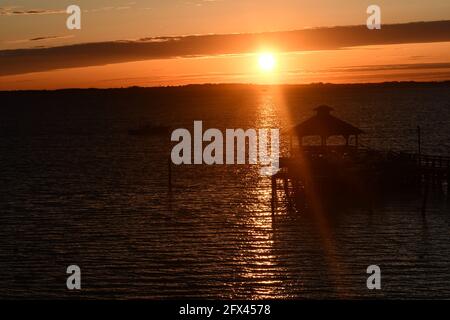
(267, 62)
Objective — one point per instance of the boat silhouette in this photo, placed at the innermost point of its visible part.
(149, 130)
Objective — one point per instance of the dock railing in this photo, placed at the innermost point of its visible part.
(437, 162)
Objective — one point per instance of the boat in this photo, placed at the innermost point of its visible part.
(149, 130)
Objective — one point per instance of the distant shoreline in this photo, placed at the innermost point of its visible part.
(401, 84)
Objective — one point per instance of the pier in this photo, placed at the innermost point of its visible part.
(350, 172)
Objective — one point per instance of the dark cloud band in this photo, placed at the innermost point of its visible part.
(91, 54)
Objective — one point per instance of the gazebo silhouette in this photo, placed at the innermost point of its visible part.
(325, 125)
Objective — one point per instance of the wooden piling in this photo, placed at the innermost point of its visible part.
(274, 193)
(419, 141)
(169, 171)
(425, 197)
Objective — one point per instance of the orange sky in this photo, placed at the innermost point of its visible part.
(420, 62)
(338, 56)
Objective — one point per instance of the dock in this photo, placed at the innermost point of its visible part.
(350, 172)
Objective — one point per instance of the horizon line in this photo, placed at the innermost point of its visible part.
(236, 84)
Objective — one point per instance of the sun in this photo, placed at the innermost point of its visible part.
(266, 61)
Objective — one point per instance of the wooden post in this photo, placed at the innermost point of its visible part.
(274, 193)
(286, 192)
(291, 151)
(169, 167)
(425, 199)
(448, 184)
(419, 141)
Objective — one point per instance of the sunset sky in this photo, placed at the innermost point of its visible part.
(150, 43)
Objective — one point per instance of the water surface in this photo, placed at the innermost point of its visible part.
(77, 189)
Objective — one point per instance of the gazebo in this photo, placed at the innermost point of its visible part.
(325, 125)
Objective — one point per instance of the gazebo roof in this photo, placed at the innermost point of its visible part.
(324, 124)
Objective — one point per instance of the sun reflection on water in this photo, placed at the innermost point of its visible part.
(261, 269)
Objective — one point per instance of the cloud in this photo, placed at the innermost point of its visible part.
(389, 67)
(17, 11)
(20, 61)
(43, 38)
(13, 11)
(50, 38)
